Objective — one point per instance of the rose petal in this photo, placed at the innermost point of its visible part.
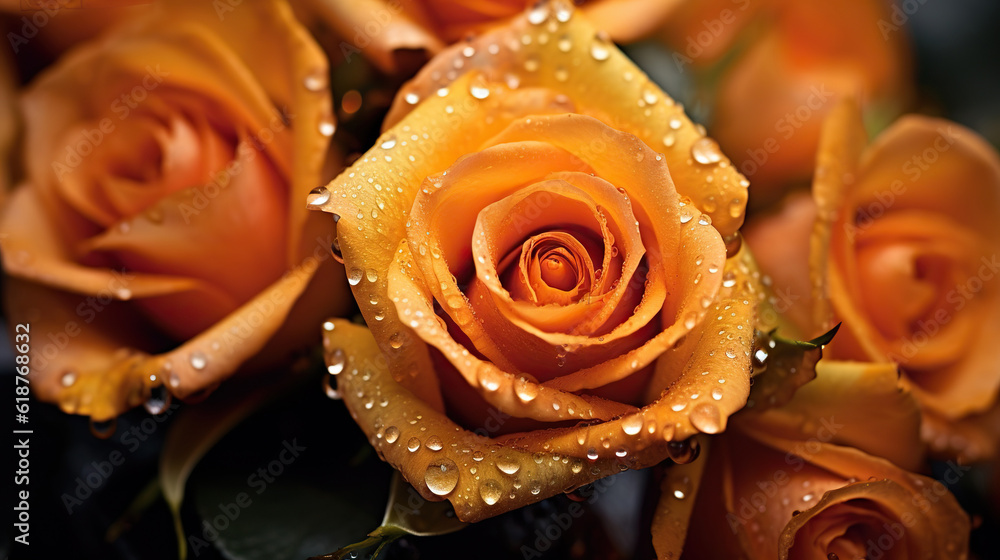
(517, 55)
(418, 440)
(876, 398)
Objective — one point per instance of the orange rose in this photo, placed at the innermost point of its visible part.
(165, 165)
(795, 60)
(549, 298)
(9, 121)
(380, 28)
(807, 480)
(904, 249)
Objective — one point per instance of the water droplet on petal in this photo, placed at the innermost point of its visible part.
(706, 151)
(318, 197)
(705, 417)
(525, 390)
(490, 491)
(434, 443)
(158, 400)
(103, 428)
(599, 49)
(391, 434)
(68, 379)
(354, 276)
(326, 126)
(389, 143)
(632, 425)
(198, 360)
(539, 14)
(317, 80)
(441, 476)
(336, 361)
(413, 445)
(508, 466)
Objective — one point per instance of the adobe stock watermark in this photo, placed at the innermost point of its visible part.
(88, 139)
(249, 148)
(767, 490)
(901, 14)
(924, 502)
(558, 523)
(257, 483)
(43, 11)
(376, 24)
(913, 168)
(100, 471)
(958, 297)
(786, 127)
(709, 31)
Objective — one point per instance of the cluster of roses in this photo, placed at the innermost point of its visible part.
(550, 256)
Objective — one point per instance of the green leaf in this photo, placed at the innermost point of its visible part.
(197, 429)
(782, 365)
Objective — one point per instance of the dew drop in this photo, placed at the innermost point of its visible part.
(538, 14)
(412, 98)
(705, 417)
(683, 452)
(490, 491)
(508, 466)
(198, 360)
(413, 444)
(317, 197)
(103, 429)
(479, 91)
(326, 126)
(525, 390)
(354, 276)
(599, 48)
(489, 379)
(157, 401)
(389, 143)
(632, 425)
(329, 389)
(705, 151)
(434, 443)
(391, 434)
(441, 476)
(592, 454)
(68, 379)
(317, 80)
(335, 362)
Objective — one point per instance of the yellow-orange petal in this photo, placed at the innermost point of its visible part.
(519, 56)
(503, 388)
(89, 365)
(678, 495)
(434, 454)
(702, 382)
(876, 398)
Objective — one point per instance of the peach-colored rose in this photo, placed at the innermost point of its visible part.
(793, 60)
(158, 238)
(824, 476)
(543, 267)
(904, 252)
(9, 121)
(381, 28)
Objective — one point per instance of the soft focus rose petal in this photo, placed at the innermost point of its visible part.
(876, 398)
